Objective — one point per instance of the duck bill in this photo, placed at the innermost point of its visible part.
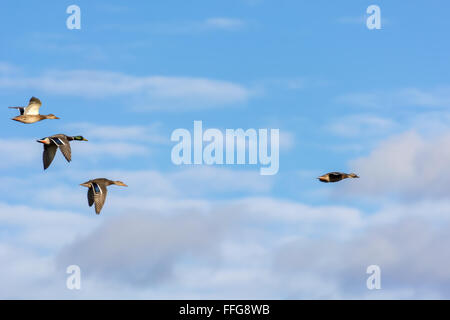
(41, 141)
(85, 139)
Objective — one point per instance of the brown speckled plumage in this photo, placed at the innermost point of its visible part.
(55, 142)
(30, 113)
(98, 191)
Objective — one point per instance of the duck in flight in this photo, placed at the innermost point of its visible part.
(30, 113)
(98, 190)
(55, 142)
(336, 176)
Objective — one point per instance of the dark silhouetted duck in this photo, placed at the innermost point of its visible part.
(336, 176)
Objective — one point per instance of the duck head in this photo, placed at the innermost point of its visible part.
(86, 184)
(79, 138)
(120, 183)
(51, 116)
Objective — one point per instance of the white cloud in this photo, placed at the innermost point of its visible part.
(409, 165)
(147, 92)
(437, 97)
(187, 184)
(6, 68)
(219, 180)
(234, 249)
(185, 27)
(248, 248)
(160, 239)
(361, 20)
(361, 125)
(138, 248)
(23, 152)
(116, 141)
(43, 229)
(117, 149)
(157, 242)
(224, 23)
(149, 133)
(19, 152)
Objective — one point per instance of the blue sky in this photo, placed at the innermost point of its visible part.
(344, 97)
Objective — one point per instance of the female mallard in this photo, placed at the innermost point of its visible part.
(336, 176)
(97, 191)
(61, 141)
(30, 113)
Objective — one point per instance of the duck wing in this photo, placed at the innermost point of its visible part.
(49, 154)
(98, 195)
(335, 176)
(33, 107)
(21, 109)
(90, 196)
(64, 145)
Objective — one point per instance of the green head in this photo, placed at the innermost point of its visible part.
(79, 138)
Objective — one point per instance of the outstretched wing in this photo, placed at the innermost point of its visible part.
(21, 109)
(33, 107)
(64, 145)
(90, 196)
(335, 175)
(49, 154)
(99, 191)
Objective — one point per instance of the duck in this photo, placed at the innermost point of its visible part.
(98, 190)
(30, 113)
(55, 142)
(336, 176)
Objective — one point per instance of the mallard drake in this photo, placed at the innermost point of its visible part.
(97, 191)
(61, 141)
(30, 113)
(336, 176)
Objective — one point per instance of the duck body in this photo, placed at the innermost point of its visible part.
(55, 142)
(30, 114)
(28, 119)
(336, 176)
(98, 191)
